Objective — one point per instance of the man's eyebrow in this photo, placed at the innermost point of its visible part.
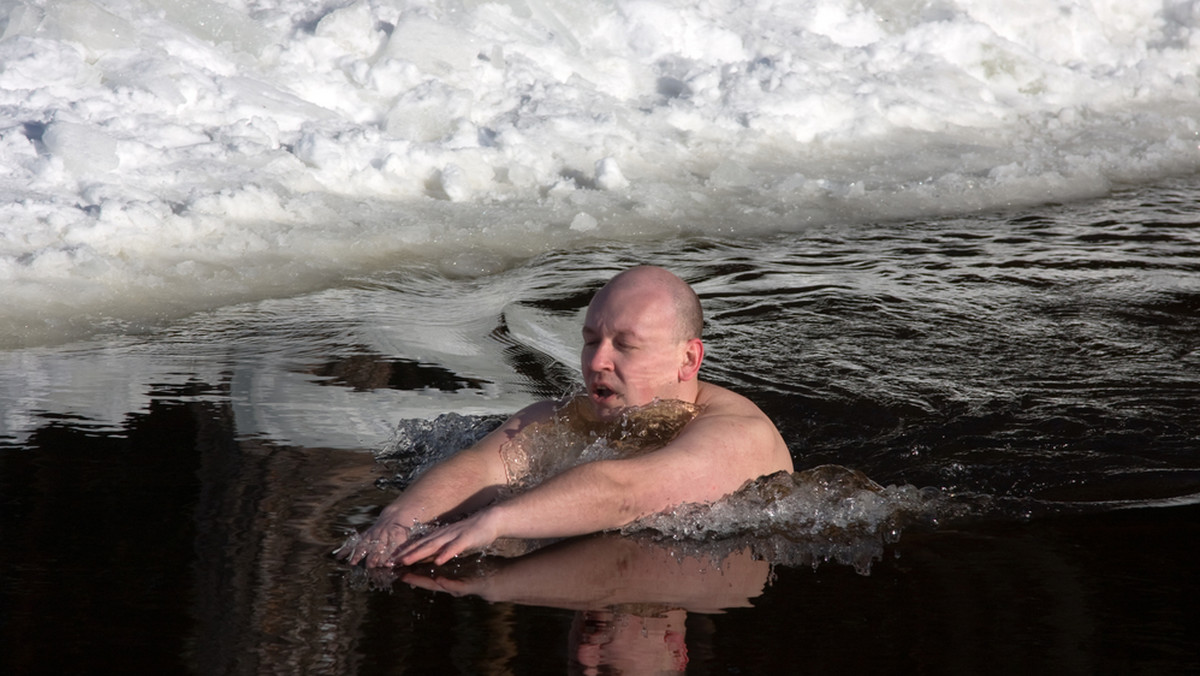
(625, 334)
(630, 334)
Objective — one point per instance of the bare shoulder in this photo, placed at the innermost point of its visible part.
(534, 413)
(716, 400)
(728, 414)
(491, 443)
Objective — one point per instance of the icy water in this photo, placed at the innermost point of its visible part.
(172, 490)
(256, 255)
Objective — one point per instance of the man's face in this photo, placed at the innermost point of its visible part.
(632, 352)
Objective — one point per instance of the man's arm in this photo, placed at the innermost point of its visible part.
(464, 482)
(600, 571)
(713, 456)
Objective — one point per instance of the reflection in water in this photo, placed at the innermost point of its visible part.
(365, 370)
(264, 600)
(608, 641)
(631, 595)
(602, 571)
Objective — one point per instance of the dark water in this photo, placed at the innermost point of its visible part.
(170, 494)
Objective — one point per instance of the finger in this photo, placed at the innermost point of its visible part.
(427, 548)
(372, 557)
(350, 551)
(341, 553)
(421, 582)
(379, 556)
(449, 551)
(437, 584)
(359, 555)
(374, 552)
(419, 551)
(452, 586)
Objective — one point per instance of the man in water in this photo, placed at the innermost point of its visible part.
(642, 343)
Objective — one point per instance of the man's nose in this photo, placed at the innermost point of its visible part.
(601, 357)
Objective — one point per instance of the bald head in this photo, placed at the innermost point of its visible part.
(641, 341)
(650, 280)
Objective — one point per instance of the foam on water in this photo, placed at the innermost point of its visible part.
(162, 156)
(807, 517)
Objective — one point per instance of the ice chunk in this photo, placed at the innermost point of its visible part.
(436, 48)
(609, 176)
(583, 222)
(83, 148)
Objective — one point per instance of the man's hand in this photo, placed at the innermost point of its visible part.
(379, 543)
(469, 535)
(599, 571)
(453, 586)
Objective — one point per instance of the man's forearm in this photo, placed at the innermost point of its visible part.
(462, 482)
(593, 497)
(465, 482)
(459, 485)
(586, 499)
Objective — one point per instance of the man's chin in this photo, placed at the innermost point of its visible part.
(606, 408)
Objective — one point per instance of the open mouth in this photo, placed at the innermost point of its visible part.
(602, 394)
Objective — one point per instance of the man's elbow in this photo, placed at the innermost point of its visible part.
(631, 496)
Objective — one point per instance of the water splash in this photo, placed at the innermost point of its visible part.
(827, 513)
(574, 436)
(418, 444)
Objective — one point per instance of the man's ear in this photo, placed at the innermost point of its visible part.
(693, 354)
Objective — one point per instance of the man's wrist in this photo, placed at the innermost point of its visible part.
(495, 520)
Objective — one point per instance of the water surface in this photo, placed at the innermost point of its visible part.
(178, 485)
